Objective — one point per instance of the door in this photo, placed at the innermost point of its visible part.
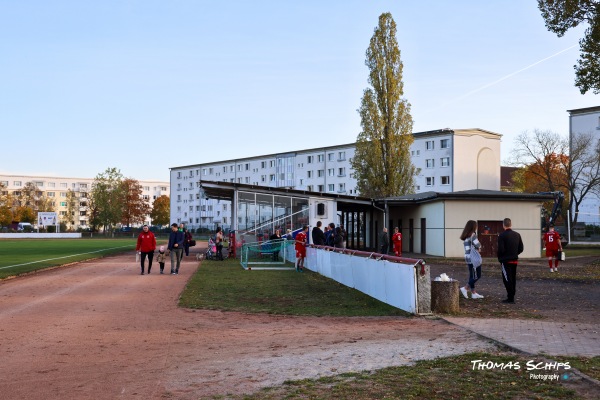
(423, 235)
(487, 233)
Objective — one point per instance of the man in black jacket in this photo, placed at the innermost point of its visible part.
(318, 237)
(510, 246)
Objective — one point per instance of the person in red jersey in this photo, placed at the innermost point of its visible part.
(146, 244)
(301, 241)
(553, 246)
(397, 242)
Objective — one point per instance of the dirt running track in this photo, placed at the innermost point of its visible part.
(99, 330)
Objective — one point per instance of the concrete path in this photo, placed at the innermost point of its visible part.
(535, 336)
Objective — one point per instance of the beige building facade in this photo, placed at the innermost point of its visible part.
(56, 190)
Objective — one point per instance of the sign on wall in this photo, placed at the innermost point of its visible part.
(47, 218)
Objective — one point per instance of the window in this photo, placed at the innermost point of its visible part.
(247, 179)
(445, 161)
(321, 188)
(272, 163)
(239, 180)
(429, 163)
(309, 159)
(63, 185)
(225, 169)
(331, 172)
(5, 183)
(263, 164)
(231, 168)
(331, 187)
(263, 178)
(50, 184)
(178, 176)
(320, 158)
(341, 171)
(445, 180)
(330, 156)
(272, 177)
(17, 183)
(429, 145)
(224, 220)
(320, 173)
(444, 143)
(63, 204)
(63, 194)
(309, 174)
(341, 187)
(239, 167)
(430, 181)
(39, 184)
(341, 156)
(51, 194)
(309, 188)
(163, 188)
(247, 166)
(204, 171)
(210, 171)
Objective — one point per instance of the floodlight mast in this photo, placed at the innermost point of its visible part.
(559, 197)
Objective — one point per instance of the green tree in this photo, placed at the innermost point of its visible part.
(161, 211)
(106, 199)
(6, 203)
(562, 15)
(381, 161)
(135, 208)
(69, 217)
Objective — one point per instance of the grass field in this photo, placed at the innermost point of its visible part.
(225, 285)
(23, 256)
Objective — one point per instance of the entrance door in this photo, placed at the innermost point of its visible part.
(487, 233)
(423, 235)
(411, 231)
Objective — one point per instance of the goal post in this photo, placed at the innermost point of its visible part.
(268, 255)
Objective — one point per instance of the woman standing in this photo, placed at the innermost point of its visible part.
(472, 258)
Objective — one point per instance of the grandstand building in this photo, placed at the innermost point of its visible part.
(448, 160)
(56, 188)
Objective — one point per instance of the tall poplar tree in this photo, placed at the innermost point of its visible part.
(381, 161)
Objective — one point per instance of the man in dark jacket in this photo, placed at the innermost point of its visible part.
(318, 237)
(510, 246)
(176, 248)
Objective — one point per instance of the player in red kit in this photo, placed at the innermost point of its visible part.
(301, 241)
(553, 246)
(397, 242)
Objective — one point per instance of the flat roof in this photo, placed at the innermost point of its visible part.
(584, 110)
(474, 194)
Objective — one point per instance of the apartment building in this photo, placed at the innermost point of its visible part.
(56, 188)
(448, 160)
(587, 121)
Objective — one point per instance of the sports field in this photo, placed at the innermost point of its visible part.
(22, 256)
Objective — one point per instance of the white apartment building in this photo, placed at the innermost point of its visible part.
(448, 160)
(56, 188)
(587, 121)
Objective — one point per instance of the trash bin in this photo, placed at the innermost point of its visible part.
(444, 297)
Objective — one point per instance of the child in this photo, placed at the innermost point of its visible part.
(161, 258)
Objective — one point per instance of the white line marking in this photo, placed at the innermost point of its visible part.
(59, 258)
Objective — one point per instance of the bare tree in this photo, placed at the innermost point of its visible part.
(572, 167)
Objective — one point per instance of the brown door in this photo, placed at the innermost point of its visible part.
(487, 233)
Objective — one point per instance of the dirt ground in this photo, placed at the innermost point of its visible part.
(99, 330)
(564, 296)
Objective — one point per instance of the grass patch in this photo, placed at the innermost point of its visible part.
(225, 285)
(443, 378)
(22, 256)
(589, 366)
(573, 250)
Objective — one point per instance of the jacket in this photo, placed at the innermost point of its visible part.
(146, 242)
(318, 236)
(510, 246)
(175, 237)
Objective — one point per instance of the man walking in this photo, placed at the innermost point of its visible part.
(510, 246)
(175, 246)
(146, 244)
(553, 246)
(301, 242)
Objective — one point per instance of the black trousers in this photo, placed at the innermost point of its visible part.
(150, 255)
(509, 277)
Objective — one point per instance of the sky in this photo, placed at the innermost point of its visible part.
(148, 85)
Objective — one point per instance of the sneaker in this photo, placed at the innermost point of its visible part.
(161, 272)
(555, 269)
(476, 296)
(172, 272)
(464, 292)
(141, 273)
(551, 269)
(507, 301)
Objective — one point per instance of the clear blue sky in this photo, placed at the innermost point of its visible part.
(146, 85)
